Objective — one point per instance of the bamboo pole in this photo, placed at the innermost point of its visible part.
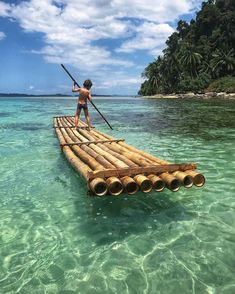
(143, 182)
(158, 183)
(172, 182)
(187, 178)
(110, 151)
(130, 185)
(83, 135)
(91, 150)
(114, 184)
(84, 156)
(98, 186)
(198, 179)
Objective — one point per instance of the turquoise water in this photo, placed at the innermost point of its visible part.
(56, 239)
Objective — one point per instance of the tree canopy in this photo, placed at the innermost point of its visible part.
(197, 53)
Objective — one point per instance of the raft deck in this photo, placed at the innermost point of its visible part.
(111, 167)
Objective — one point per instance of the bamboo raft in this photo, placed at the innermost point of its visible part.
(111, 167)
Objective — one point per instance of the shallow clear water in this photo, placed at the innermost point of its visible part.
(55, 239)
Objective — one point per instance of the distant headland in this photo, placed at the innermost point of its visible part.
(56, 95)
(31, 95)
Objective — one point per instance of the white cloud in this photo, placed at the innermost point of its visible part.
(2, 35)
(153, 10)
(120, 79)
(4, 9)
(73, 30)
(31, 87)
(149, 36)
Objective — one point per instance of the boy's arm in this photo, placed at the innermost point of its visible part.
(75, 88)
(89, 97)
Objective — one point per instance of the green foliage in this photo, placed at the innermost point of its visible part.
(225, 84)
(197, 53)
(196, 84)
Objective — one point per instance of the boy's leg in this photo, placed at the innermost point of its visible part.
(77, 117)
(87, 118)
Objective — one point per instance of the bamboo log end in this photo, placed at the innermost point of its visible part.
(158, 183)
(198, 179)
(144, 183)
(115, 186)
(185, 179)
(172, 183)
(98, 186)
(130, 185)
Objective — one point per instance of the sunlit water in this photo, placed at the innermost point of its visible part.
(56, 239)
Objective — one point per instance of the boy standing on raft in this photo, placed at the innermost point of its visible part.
(84, 94)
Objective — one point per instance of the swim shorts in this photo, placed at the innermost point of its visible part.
(82, 106)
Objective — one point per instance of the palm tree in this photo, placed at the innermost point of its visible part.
(190, 59)
(153, 73)
(223, 62)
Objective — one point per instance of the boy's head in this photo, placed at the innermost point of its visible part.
(87, 84)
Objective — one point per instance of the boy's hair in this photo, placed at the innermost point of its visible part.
(87, 84)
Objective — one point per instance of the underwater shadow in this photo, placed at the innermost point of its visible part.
(109, 219)
(113, 219)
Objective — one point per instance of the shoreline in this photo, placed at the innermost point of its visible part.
(209, 95)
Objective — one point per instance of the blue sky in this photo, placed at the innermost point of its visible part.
(108, 41)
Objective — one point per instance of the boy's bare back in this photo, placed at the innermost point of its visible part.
(84, 94)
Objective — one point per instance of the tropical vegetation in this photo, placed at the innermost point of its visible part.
(196, 54)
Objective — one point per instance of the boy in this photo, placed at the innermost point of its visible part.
(84, 94)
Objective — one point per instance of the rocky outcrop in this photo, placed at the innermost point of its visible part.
(208, 95)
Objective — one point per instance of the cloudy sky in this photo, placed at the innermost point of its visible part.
(108, 41)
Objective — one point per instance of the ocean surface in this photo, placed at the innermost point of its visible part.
(56, 239)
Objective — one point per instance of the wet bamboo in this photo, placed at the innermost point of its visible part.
(198, 179)
(99, 156)
(143, 182)
(186, 178)
(110, 151)
(158, 183)
(138, 157)
(83, 136)
(88, 159)
(130, 185)
(115, 186)
(98, 186)
(173, 183)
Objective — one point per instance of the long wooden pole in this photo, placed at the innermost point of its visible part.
(72, 78)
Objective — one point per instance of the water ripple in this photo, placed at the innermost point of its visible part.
(55, 239)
